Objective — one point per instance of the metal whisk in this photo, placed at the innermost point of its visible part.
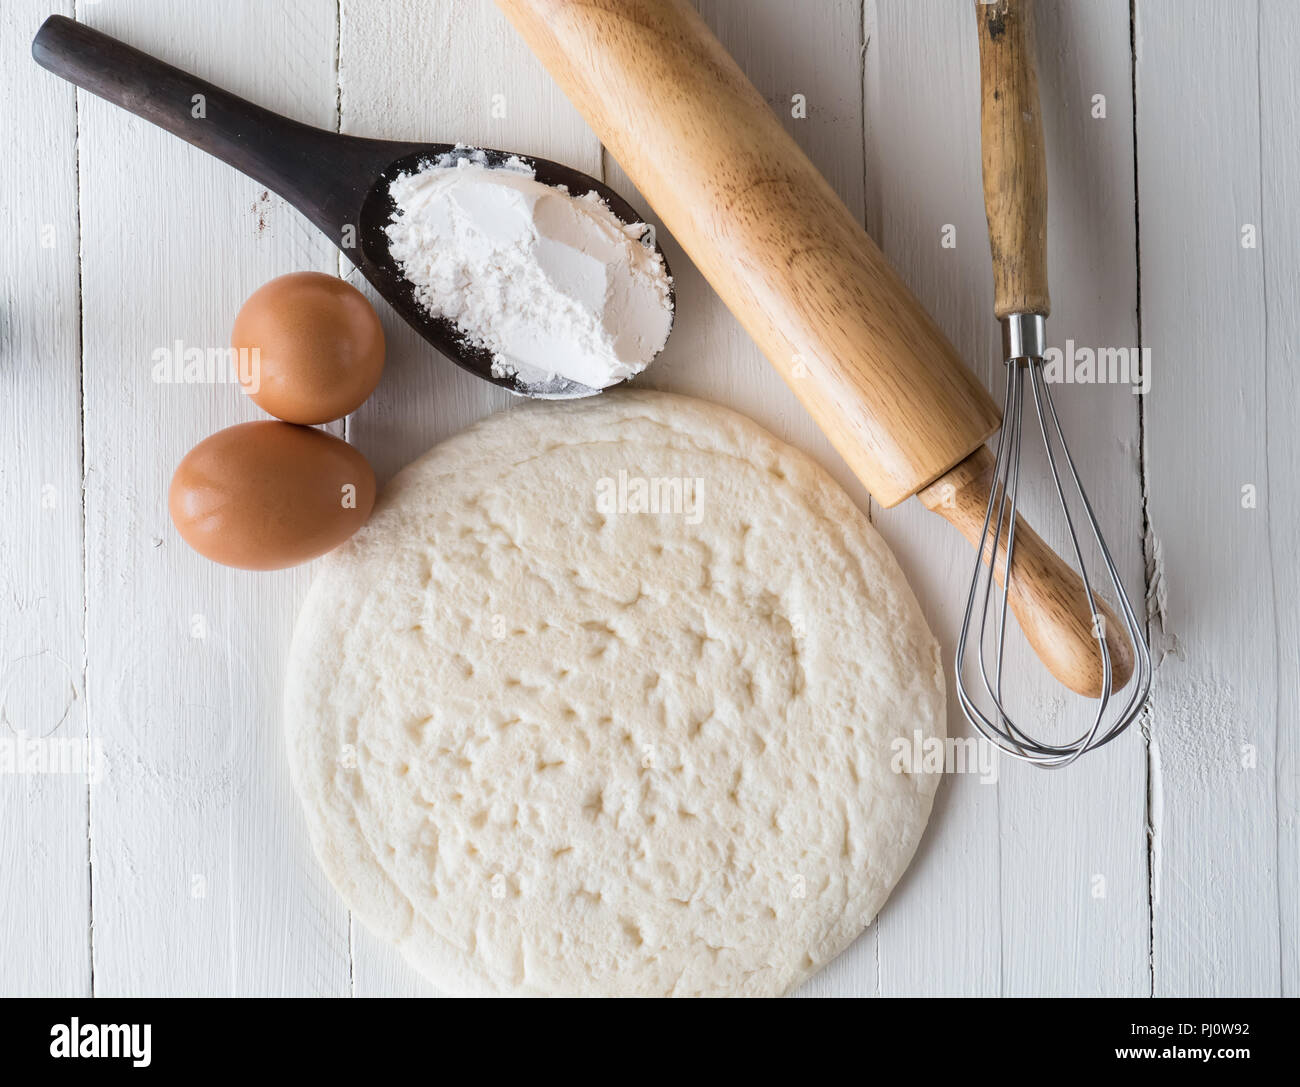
(1015, 195)
(1025, 364)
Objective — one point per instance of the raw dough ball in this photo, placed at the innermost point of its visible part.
(549, 744)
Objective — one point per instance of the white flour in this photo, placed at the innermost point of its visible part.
(553, 285)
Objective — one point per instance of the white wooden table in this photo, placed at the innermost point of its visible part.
(1168, 864)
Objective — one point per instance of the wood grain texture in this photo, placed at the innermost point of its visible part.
(807, 62)
(1222, 746)
(44, 852)
(1015, 163)
(203, 879)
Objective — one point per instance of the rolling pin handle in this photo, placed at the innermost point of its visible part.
(1047, 597)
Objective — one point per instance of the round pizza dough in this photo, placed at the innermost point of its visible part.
(605, 699)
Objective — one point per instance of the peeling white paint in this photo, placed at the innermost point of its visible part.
(1163, 640)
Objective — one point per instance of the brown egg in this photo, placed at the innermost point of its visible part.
(266, 495)
(319, 347)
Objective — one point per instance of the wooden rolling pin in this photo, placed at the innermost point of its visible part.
(803, 277)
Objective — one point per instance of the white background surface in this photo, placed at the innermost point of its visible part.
(1166, 864)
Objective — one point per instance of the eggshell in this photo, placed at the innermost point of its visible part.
(319, 347)
(266, 495)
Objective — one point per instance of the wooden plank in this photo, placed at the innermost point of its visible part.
(1074, 846)
(44, 853)
(1217, 360)
(449, 72)
(203, 879)
(806, 60)
(1067, 846)
(922, 127)
(1280, 163)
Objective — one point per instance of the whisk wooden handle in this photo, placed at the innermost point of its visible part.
(1046, 596)
(1015, 166)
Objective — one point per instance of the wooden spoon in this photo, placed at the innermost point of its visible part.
(338, 182)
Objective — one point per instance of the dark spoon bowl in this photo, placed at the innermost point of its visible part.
(339, 182)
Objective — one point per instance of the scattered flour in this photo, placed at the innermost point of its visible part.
(555, 286)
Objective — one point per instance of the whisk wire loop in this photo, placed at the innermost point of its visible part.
(1000, 518)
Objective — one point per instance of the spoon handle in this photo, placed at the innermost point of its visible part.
(323, 174)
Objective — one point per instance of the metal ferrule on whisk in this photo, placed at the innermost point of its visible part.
(1024, 336)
